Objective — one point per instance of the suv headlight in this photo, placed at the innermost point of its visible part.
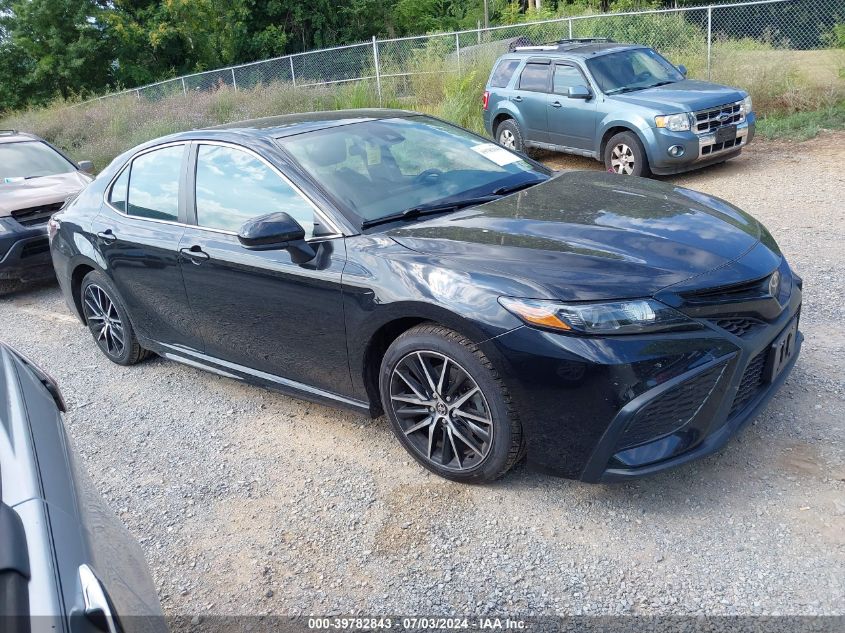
(635, 316)
(674, 122)
(746, 105)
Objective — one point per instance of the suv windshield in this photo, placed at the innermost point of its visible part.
(31, 159)
(384, 167)
(627, 71)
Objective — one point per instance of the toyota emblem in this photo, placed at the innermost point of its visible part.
(774, 284)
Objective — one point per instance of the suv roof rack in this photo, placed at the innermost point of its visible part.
(566, 44)
(8, 132)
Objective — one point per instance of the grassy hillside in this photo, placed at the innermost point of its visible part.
(782, 83)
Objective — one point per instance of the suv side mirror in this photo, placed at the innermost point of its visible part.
(86, 165)
(276, 231)
(579, 92)
(682, 69)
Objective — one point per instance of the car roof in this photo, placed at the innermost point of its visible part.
(572, 48)
(13, 136)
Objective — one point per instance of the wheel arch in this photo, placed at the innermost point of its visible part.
(612, 128)
(392, 328)
(80, 269)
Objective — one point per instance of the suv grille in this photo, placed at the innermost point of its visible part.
(36, 215)
(750, 384)
(671, 410)
(710, 120)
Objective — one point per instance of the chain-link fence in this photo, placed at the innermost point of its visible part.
(740, 43)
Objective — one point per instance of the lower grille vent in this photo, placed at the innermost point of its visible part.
(750, 384)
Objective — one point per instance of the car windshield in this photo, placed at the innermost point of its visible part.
(31, 159)
(389, 166)
(627, 71)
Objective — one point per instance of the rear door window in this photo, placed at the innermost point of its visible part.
(534, 77)
(154, 184)
(504, 71)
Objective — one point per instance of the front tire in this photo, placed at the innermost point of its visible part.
(108, 320)
(624, 154)
(448, 406)
(509, 135)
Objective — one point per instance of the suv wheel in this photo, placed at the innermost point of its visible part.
(625, 155)
(448, 407)
(108, 321)
(509, 135)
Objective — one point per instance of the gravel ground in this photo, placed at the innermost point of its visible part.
(249, 502)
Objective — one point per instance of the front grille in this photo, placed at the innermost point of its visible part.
(718, 147)
(752, 381)
(36, 215)
(671, 410)
(710, 120)
(748, 290)
(35, 247)
(740, 326)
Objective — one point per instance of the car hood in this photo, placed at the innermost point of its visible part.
(683, 96)
(40, 191)
(590, 235)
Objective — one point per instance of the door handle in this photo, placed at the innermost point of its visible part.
(557, 104)
(107, 235)
(517, 98)
(195, 254)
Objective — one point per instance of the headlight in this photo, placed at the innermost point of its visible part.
(619, 317)
(746, 105)
(674, 122)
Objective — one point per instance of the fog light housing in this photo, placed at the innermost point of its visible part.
(676, 151)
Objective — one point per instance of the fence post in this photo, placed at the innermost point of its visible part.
(378, 74)
(292, 74)
(234, 81)
(138, 94)
(478, 31)
(570, 28)
(458, 51)
(709, 38)
(184, 88)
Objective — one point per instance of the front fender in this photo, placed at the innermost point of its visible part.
(638, 124)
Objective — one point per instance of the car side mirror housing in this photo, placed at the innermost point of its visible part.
(579, 92)
(86, 165)
(276, 231)
(682, 69)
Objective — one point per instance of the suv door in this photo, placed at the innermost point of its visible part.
(572, 122)
(138, 233)
(260, 309)
(530, 97)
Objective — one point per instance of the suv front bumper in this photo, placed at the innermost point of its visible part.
(24, 251)
(700, 150)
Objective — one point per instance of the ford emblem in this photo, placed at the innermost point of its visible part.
(724, 118)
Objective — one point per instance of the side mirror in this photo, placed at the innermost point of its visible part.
(579, 92)
(682, 69)
(87, 166)
(276, 231)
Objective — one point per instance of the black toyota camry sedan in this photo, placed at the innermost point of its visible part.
(391, 262)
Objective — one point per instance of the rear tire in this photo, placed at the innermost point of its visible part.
(509, 135)
(108, 320)
(624, 154)
(448, 406)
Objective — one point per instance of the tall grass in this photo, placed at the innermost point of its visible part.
(782, 82)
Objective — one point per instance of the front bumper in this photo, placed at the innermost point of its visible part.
(613, 408)
(24, 251)
(699, 150)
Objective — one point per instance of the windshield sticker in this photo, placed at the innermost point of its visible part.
(13, 180)
(496, 154)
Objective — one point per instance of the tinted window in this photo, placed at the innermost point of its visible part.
(234, 186)
(117, 197)
(503, 73)
(567, 77)
(154, 184)
(534, 77)
(31, 159)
